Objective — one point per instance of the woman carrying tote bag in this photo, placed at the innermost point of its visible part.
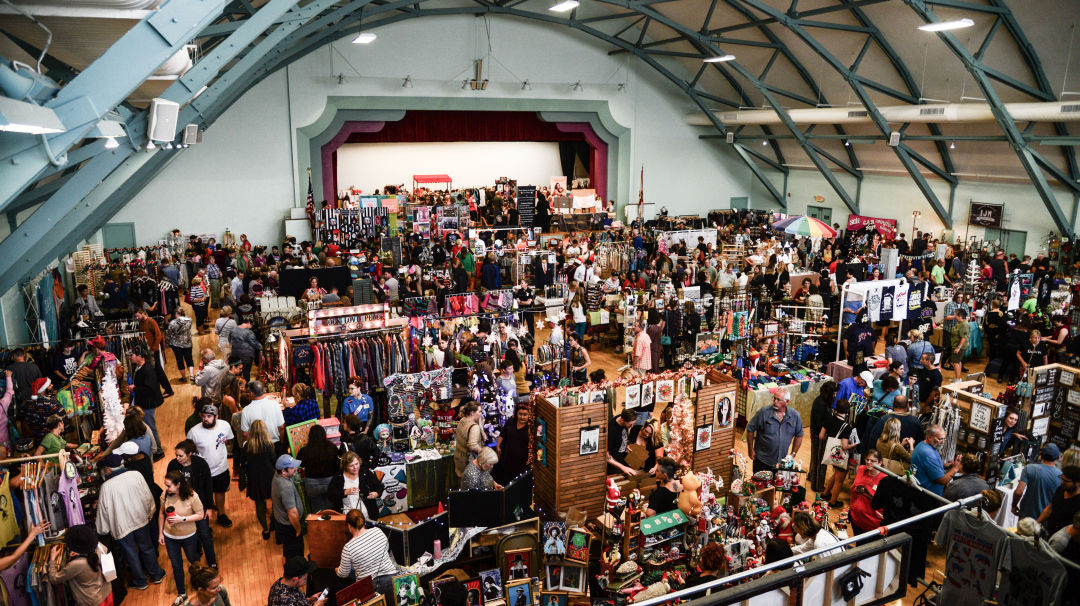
(838, 446)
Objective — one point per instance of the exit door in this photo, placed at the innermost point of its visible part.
(1011, 240)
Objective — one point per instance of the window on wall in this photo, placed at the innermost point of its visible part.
(821, 213)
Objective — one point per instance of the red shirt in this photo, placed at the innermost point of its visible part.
(862, 514)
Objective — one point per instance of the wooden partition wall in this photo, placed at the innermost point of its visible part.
(565, 478)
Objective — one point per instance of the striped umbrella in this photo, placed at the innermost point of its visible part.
(805, 226)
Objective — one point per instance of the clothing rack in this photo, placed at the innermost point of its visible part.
(299, 338)
(937, 497)
(56, 342)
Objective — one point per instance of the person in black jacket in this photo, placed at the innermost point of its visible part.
(147, 393)
(355, 487)
(197, 473)
(543, 273)
(460, 276)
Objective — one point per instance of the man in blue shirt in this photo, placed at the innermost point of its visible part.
(853, 385)
(1038, 483)
(925, 460)
(772, 431)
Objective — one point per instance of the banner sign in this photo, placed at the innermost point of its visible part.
(885, 227)
(985, 215)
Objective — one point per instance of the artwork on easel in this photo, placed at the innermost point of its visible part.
(647, 394)
(633, 396)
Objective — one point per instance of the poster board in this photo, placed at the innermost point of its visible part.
(298, 435)
(394, 497)
(526, 204)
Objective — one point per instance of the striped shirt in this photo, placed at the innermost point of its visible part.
(367, 555)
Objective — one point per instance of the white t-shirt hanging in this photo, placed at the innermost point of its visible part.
(873, 304)
(900, 302)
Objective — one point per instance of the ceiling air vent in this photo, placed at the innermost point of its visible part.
(1071, 108)
(730, 116)
(858, 114)
(932, 111)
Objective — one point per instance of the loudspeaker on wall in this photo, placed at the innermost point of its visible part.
(162, 121)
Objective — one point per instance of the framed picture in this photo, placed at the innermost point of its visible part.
(981, 417)
(541, 453)
(518, 564)
(589, 440)
(406, 590)
(491, 585)
(577, 545)
(436, 586)
(682, 387)
(554, 538)
(598, 396)
(724, 407)
(646, 393)
(473, 592)
(552, 598)
(704, 438)
(665, 391)
(633, 396)
(553, 576)
(378, 600)
(541, 430)
(1039, 426)
(519, 593)
(573, 579)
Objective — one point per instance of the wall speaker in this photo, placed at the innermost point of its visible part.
(163, 114)
(729, 137)
(191, 134)
(894, 139)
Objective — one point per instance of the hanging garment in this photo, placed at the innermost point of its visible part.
(68, 489)
(900, 302)
(873, 304)
(9, 528)
(888, 295)
(973, 552)
(1030, 576)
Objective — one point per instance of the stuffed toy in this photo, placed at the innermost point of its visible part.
(382, 437)
(613, 495)
(689, 499)
(782, 524)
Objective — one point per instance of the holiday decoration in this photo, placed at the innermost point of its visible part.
(681, 447)
(689, 501)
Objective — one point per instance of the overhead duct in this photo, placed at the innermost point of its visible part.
(1054, 111)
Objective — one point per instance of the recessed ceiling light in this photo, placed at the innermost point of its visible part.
(364, 38)
(942, 26)
(565, 6)
(720, 59)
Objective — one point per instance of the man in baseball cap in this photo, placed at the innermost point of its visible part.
(211, 436)
(1037, 483)
(288, 507)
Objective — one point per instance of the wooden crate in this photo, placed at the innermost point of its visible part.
(569, 479)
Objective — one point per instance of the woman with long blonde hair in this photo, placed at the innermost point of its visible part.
(259, 461)
(895, 452)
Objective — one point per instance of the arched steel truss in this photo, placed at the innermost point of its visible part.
(242, 45)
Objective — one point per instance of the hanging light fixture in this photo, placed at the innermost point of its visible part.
(364, 38)
(943, 26)
(111, 143)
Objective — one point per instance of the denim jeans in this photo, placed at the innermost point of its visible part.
(206, 540)
(138, 549)
(177, 549)
(316, 493)
(149, 416)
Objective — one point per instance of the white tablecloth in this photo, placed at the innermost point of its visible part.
(1005, 517)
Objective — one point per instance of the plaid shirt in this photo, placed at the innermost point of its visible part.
(950, 310)
(213, 272)
(302, 411)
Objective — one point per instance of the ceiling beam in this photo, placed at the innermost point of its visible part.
(902, 151)
(101, 87)
(1001, 115)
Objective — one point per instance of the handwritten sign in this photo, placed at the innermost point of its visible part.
(1040, 426)
(1073, 397)
(981, 416)
(1067, 378)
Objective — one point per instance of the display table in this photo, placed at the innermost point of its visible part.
(801, 400)
(842, 370)
(429, 480)
(554, 307)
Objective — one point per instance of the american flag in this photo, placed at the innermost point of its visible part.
(310, 200)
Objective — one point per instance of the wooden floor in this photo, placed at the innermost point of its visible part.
(249, 565)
